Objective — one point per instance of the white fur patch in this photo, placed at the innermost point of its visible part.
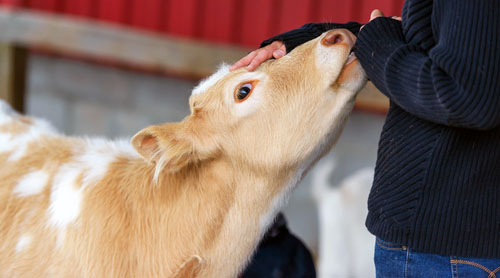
(43, 127)
(5, 142)
(6, 112)
(102, 147)
(91, 161)
(17, 145)
(5, 107)
(99, 154)
(65, 198)
(95, 160)
(23, 243)
(31, 184)
(222, 71)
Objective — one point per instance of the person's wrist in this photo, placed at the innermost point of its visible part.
(381, 28)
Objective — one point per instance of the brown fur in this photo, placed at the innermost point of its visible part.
(199, 199)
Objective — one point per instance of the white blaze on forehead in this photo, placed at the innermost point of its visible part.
(23, 242)
(211, 80)
(31, 184)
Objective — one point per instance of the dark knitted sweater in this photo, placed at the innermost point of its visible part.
(437, 177)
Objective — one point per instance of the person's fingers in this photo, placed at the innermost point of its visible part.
(276, 49)
(278, 53)
(244, 61)
(259, 59)
(376, 13)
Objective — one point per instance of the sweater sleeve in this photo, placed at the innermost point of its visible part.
(457, 81)
(296, 37)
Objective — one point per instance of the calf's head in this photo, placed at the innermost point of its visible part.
(285, 113)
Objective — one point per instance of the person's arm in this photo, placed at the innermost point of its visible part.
(456, 82)
(310, 31)
(278, 46)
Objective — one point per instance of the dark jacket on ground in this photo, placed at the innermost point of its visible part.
(437, 177)
(280, 255)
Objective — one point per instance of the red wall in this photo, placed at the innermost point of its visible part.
(241, 22)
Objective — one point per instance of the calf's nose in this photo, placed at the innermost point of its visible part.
(338, 36)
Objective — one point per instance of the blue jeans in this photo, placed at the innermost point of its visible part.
(396, 261)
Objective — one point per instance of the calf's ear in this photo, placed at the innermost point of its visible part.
(166, 145)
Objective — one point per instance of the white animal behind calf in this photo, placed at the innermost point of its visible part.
(345, 245)
(187, 199)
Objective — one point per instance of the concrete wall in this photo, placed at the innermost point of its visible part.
(87, 99)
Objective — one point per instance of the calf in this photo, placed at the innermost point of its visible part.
(187, 199)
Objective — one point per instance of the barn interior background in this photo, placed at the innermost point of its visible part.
(111, 67)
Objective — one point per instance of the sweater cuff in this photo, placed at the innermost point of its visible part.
(375, 44)
(308, 32)
(293, 38)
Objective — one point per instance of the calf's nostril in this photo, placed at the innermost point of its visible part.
(337, 38)
(331, 39)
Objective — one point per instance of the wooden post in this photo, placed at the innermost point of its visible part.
(13, 75)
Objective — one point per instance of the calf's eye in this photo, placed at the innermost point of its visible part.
(243, 91)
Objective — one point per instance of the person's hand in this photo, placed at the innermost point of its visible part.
(378, 13)
(375, 13)
(276, 49)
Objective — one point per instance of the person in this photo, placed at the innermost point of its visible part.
(435, 201)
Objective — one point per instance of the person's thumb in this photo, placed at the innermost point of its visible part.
(278, 53)
(376, 13)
